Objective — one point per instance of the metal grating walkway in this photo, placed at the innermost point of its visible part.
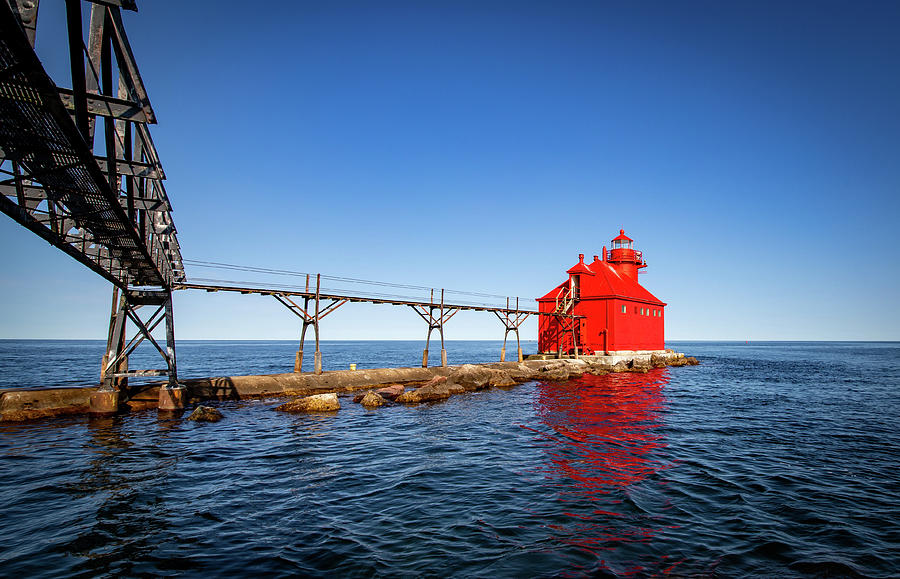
(57, 188)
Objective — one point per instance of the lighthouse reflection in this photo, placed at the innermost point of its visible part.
(602, 444)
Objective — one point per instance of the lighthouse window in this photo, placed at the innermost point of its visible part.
(624, 309)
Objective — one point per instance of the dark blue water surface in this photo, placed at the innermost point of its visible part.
(777, 459)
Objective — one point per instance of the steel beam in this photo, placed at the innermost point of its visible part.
(123, 4)
(132, 168)
(27, 12)
(106, 106)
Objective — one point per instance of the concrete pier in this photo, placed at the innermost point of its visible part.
(29, 404)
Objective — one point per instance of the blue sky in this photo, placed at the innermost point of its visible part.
(751, 149)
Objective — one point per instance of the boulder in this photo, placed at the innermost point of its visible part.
(471, 377)
(598, 369)
(658, 360)
(438, 388)
(576, 368)
(436, 381)
(521, 372)
(684, 361)
(641, 364)
(315, 403)
(391, 391)
(554, 372)
(620, 366)
(372, 400)
(425, 394)
(501, 378)
(205, 414)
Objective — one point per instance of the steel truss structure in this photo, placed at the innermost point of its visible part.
(511, 322)
(435, 322)
(310, 318)
(101, 200)
(114, 369)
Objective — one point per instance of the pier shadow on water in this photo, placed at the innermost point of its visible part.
(131, 522)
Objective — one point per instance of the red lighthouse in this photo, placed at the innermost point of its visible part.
(601, 308)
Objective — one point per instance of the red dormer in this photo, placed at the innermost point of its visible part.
(602, 308)
(575, 272)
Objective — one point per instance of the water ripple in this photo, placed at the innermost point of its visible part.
(776, 460)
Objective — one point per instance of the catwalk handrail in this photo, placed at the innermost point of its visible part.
(362, 298)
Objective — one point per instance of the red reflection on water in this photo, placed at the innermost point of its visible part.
(610, 422)
(603, 439)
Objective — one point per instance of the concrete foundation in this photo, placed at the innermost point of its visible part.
(105, 402)
(172, 398)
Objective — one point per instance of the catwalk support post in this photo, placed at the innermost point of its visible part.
(511, 320)
(310, 317)
(115, 370)
(435, 315)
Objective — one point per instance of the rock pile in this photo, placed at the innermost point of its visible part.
(472, 378)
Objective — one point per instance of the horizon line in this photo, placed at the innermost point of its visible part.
(295, 340)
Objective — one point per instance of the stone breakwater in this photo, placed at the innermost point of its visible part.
(372, 387)
(472, 377)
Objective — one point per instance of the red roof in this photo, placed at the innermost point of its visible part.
(580, 267)
(606, 282)
(622, 236)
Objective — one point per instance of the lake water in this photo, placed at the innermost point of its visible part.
(768, 459)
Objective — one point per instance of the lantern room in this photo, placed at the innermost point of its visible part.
(602, 308)
(626, 260)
